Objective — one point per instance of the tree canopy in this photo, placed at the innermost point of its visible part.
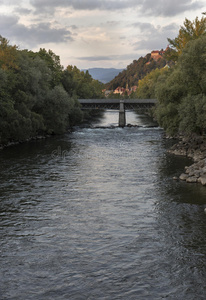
(147, 85)
(37, 96)
(191, 30)
(181, 93)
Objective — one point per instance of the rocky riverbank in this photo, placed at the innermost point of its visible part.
(195, 148)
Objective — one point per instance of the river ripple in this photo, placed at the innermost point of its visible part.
(96, 215)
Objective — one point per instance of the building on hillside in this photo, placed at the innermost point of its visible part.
(119, 90)
(131, 90)
(156, 54)
(125, 91)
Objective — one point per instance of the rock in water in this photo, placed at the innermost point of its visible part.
(183, 176)
(202, 179)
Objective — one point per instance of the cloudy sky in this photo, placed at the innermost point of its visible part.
(95, 33)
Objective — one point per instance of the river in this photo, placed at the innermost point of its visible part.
(96, 214)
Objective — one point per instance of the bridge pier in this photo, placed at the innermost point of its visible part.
(117, 104)
(122, 116)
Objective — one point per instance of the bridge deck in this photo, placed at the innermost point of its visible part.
(115, 103)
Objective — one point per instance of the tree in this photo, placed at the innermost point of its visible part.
(8, 55)
(55, 110)
(190, 31)
(192, 64)
(181, 93)
(37, 96)
(81, 85)
(146, 86)
(53, 62)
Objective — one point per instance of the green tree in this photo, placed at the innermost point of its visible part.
(76, 115)
(193, 65)
(53, 62)
(80, 84)
(8, 55)
(170, 89)
(37, 96)
(192, 112)
(181, 93)
(146, 86)
(191, 30)
(56, 109)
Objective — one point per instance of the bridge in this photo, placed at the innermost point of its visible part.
(118, 104)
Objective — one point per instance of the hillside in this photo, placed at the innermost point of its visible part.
(136, 71)
(103, 74)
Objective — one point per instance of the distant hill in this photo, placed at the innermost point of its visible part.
(136, 71)
(103, 74)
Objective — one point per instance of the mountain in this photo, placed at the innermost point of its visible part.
(103, 74)
(137, 70)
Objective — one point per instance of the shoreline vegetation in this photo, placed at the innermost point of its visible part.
(86, 118)
(38, 97)
(181, 96)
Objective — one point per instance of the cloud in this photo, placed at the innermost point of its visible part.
(94, 58)
(49, 5)
(148, 27)
(156, 38)
(11, 2)
(74, 27)
(147, 7)
(8, 22)
(43, 33)
(23, 11)
(100, 31)
(108, 58)
(152, 30)
(35, 34)
(169, 7)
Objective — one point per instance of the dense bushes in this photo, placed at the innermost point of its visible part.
(37, 96)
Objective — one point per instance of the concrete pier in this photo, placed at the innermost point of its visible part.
(122, 117)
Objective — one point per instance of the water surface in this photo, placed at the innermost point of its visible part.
(96, 215)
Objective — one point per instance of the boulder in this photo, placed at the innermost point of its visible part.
(198, 156)
(202, 180)
(192, 179)
(204, 170)
(183, 176)
(201, 163)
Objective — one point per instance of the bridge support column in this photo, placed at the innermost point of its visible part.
(122, 117)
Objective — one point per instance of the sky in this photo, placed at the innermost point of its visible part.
(95, 33)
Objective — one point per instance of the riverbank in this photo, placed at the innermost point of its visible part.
(13, 143)
(193, 147)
